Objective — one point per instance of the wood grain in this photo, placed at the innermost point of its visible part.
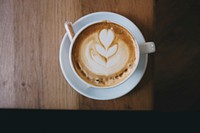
(30, 37)
(7, 95)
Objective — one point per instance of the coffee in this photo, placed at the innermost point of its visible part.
(104, 54)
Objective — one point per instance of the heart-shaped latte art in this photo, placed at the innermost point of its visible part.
(104, 49)
(106, 37)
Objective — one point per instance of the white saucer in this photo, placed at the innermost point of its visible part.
(96, 93)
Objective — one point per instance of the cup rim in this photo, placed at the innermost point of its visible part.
(79, 32)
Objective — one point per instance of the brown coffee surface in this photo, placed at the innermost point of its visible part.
(104, 54)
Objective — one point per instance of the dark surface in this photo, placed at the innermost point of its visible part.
(177, 68)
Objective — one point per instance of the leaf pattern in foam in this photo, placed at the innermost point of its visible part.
(111, 51)
(104, 50)
(101, 50)
(98, 59)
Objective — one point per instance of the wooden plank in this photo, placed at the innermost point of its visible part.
(7, 90)
(30, 36)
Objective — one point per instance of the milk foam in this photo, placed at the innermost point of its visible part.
(101, 65)
(104, 57)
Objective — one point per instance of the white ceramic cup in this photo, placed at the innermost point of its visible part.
(145, 48)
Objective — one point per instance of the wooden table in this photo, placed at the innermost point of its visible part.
(30, 35)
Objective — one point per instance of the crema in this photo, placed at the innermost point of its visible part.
(104, 54)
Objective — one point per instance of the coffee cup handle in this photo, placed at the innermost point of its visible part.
(147, 47)
(69, 30)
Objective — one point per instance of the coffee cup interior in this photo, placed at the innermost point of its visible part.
(104, 54)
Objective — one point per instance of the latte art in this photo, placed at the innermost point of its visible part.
(104, 50)
(106, 37)
(104, 54)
